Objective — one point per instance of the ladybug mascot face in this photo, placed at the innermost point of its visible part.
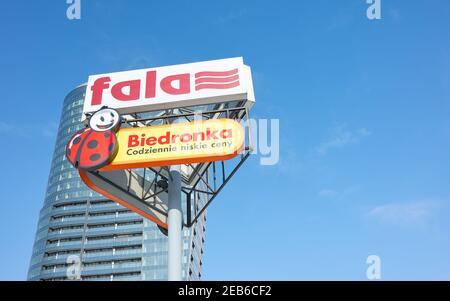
(96, 146)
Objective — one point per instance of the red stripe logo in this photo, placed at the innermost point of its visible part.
(217, 79)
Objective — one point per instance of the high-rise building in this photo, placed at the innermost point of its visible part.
(82, 235)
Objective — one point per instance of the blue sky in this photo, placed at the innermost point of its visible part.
(364, 110)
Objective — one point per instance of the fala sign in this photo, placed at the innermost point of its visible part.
(170, 87)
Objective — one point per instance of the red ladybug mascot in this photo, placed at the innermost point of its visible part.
(96, 146)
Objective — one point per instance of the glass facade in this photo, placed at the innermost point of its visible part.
(82, 235)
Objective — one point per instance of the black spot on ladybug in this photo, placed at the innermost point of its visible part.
(111, 147)
(92, 144)
(94, 157)
(76, 140)
(68, 152)
(107, 135)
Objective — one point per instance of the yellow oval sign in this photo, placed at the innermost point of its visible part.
(180, 143)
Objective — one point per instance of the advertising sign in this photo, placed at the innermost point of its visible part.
(170, 87)
(104, 146)
(181, 143)
(109, 151)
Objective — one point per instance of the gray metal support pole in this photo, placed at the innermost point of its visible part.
(174, 223)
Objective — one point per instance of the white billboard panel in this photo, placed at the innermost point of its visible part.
(170, 87)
